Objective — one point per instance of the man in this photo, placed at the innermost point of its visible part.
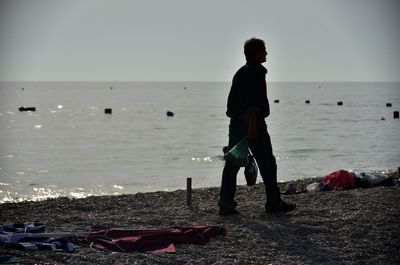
(247, 109)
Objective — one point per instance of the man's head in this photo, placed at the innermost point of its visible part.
(254, 50)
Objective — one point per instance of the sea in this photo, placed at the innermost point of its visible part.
(70, 147)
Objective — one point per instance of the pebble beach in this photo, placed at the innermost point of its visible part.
(358, 226)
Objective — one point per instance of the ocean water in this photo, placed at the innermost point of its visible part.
(70, 147)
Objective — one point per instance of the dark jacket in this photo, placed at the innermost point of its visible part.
(248, 92)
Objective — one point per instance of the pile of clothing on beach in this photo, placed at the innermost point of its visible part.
(32, 236)
(344, 180)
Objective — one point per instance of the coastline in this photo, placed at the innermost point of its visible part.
(358, 226)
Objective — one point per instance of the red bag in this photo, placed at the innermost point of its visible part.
(339, 180)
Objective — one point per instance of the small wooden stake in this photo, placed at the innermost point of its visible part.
(189, 192)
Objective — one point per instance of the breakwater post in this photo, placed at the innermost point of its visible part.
(189, 192)
(395, 114)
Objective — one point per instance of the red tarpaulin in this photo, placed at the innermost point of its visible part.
(160, 240)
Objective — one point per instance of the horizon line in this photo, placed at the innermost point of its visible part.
(203, 81)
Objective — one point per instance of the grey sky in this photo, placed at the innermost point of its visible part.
(183, 40)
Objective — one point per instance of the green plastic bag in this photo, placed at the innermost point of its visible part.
(239, 154)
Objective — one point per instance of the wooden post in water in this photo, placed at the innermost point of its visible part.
(189, 192)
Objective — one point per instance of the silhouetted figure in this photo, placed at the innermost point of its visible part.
(247, 108)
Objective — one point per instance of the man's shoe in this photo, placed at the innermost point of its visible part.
(227, 211)
(281, 208)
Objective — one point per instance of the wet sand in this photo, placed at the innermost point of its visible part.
(359, 226)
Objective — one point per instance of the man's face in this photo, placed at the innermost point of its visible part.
(261, 56)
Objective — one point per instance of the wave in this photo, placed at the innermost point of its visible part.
(310, 150)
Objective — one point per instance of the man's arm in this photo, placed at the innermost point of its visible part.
(252, 129)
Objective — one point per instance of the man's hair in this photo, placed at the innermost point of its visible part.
(251, 46)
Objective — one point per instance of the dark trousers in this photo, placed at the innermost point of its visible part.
(262, 151)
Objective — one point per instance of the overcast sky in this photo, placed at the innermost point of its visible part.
(184, 40)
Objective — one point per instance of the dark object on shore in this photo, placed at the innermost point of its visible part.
(395, 114)
(340, 103)
(276, 101)
(388, 104)
(107, 111)
(27, 108)
(371, 182)
(189, 192)
(170, 114)
(307, 101)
